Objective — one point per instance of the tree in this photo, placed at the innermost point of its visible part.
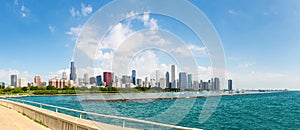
(49, 87)
(24, 89)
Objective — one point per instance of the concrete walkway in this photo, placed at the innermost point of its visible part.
(12, 120)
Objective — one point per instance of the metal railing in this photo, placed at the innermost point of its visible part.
(124, 119)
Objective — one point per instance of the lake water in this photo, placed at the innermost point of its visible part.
(257, 111)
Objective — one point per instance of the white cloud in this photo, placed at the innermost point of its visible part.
(232, 12)
(74, 32)
(246, 65)
(74, 12)
(51, 28)
(24, 11)
(86, 10)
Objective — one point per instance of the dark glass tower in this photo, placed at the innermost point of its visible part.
(168, 80)
(133, 75)
(99, 80)
(73, 72)
(230, 85)
(13, 80)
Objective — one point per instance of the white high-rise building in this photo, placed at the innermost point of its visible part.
(196, 85)
(173, 73)
(162, 83)
(22, 82)
(86, 79)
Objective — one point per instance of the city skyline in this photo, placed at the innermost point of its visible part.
(183, 82)
(264, 51)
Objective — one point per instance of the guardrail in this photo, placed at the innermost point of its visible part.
(124, 119)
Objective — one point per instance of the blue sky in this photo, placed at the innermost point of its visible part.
(260, 38)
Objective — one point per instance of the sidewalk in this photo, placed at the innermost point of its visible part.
(12, 120)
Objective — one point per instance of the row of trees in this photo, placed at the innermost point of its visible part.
(51, 90)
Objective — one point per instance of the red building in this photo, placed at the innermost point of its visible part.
(107, 78)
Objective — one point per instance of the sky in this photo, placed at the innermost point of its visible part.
(259, 37)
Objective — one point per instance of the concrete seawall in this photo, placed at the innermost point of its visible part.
(57, 121)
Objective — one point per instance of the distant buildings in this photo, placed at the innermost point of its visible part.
(183, 83)
(99, 80)
(37, 81)
(230, 85)
(13, 80)
(64, 75)
(168, 80)
(92, 80)
(190, 81)
(2, 85)
(133, 75)
(22, 82)
(86, 79)
(73, 75)
(60, 83)
(107, 77)
(173, 73)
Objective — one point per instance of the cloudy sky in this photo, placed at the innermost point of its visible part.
(260, 40)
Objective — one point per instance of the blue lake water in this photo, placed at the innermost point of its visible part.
(258, 111)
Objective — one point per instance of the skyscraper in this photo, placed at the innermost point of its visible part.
(173, 73)
(216, 84)
(230, 85)
(22, 82)
(107, 78)
(183, 84)
(167, 80)
(86, 79)
(73, 75)
(99, 80)
(190, 81)
(13, 80)
(92, 80)
(64, 75)
(133, 75)
(37, 81)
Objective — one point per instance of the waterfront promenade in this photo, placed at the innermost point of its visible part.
(12, 120)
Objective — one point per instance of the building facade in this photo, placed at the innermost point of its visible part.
(183, 83)
(107, 78)
(13, 80)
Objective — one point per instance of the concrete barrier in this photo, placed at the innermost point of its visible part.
(57, 121)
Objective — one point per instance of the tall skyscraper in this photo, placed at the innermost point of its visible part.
(86, 79)
(167, 80)
(230, 85)
(13, 80)
(173, 73)
(99, 80)
(183, 84)
(216, 84)
(73, 75)
(133, 75)
(37, 81)
(190, 81)
(64, 75)
(146, 82)
(107, 78)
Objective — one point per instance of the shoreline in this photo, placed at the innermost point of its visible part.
(251, 92)
(173, 97)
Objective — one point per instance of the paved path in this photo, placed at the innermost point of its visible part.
(12, 120)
